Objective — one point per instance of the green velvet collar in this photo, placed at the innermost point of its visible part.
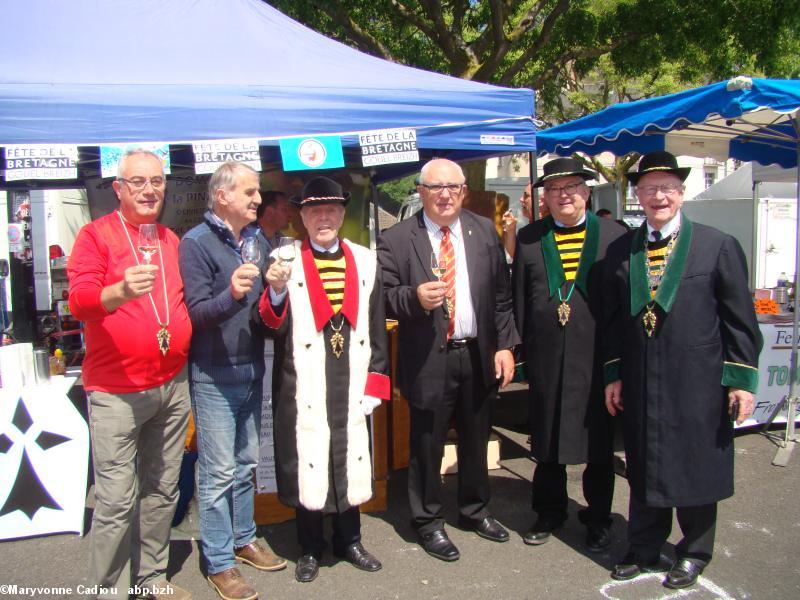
(668, 288)
(552, 260)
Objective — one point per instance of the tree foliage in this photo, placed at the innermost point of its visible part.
(554, 45)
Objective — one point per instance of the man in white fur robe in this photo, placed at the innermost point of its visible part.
(325, 311)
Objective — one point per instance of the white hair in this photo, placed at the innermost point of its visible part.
(136, 152)
(224, 178)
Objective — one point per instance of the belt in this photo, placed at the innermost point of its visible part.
(462, 343)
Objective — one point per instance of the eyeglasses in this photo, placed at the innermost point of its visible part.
(138, 183)
(453, 188)
(668, 189)
(557, 191)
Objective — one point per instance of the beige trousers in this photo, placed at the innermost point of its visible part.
(137, 448)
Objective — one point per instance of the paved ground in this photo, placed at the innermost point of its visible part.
(756, 549)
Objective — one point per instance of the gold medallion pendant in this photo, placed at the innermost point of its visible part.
(563, 311)
(649, 321)
(163, 336)
(337, 339)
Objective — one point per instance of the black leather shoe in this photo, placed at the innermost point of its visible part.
(632, 566)
(488, 528)
(437, 544)
(357, 556)
(307, 568)
(540, 532)
(684, 573)
(598, 539)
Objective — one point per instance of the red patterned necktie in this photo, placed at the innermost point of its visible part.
(447, 259)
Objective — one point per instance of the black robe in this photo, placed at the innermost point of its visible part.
(568, 420)
(678, 435)
(322, 455)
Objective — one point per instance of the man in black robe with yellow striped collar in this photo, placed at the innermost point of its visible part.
(557, 276)
(682, 346)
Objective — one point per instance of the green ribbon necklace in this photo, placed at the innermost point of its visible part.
(555, 270)
(668, 286)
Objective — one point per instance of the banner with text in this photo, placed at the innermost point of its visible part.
(208, 156)
(265, 470)
(387, 146)
(773, 374)
(41, 161)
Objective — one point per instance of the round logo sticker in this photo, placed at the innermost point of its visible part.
(311, 153)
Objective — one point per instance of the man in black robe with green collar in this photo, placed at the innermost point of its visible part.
(557, 276)
(681, 349)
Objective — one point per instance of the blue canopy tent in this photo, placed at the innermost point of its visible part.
(743, 118)
(747, 119)
(90, 72)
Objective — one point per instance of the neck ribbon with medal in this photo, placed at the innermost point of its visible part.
(665, 279)
(555, 270)
(163, 336)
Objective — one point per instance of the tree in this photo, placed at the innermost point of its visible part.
(546, 44)
(579, 55)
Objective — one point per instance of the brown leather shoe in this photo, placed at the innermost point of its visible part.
(255, 555)
(230, 585)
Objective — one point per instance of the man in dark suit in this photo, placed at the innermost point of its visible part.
(557, 291)
(682, 345)
(455, 337)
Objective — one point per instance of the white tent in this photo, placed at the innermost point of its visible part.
(753, 206)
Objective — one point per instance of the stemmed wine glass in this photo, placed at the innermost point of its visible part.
(286, 251)
(439, 269)
(251, 251)
(148, 241)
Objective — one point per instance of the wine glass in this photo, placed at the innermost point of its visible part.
(437, 269)
(286, 251)
(251, 251)
(148, 241)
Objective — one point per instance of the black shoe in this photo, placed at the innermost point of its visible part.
(684, 573)
(540, 532)
(598, 539)
(357, 556)
(488, 528)
(307, 568)
(632, 566)
(437, 544)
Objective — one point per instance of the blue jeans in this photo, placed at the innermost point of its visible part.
(227, 418)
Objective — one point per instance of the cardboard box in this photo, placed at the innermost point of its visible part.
(450, 460)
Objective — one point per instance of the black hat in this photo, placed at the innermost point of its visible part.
(658, 162)
(321, 190)
(563, 167)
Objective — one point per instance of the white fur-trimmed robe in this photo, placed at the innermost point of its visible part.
(322, 452)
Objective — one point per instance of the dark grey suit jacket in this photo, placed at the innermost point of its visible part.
(404, 255)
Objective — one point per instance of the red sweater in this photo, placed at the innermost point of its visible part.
(122, 353)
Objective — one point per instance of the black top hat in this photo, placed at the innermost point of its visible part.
(321, 190)
(658, 162)
(563, 167)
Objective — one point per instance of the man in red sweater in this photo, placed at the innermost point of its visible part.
(137, 332)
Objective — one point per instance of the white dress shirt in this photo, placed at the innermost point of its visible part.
(667, 230)
(466, 323)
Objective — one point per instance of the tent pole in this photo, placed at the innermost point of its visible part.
(533, 169)
(784, 453)
(754, 257)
